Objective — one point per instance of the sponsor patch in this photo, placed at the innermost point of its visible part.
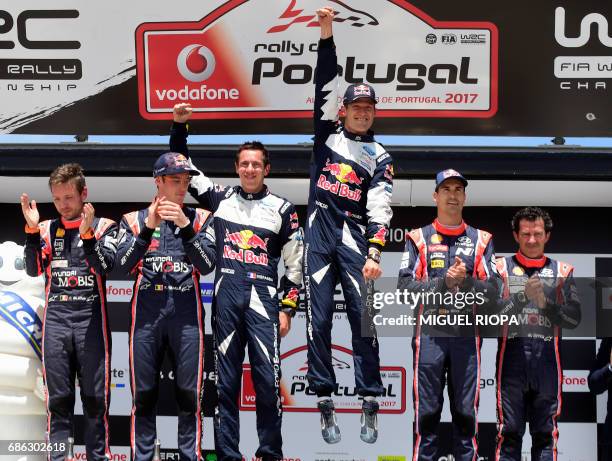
(437, 263)
(433, 248)
(59, 263)
(58, 246)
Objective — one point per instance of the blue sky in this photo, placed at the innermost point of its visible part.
(503, 141)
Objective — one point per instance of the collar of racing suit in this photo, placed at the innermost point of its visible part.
(71, 224)
(529, 262)
(445, 230)
(359, 137)
(250, 196)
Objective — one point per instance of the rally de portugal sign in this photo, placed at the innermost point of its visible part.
(249, 65)
(267, 70)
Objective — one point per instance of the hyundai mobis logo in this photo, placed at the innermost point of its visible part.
(256, 59)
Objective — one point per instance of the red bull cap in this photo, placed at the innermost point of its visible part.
(359, 91)
(173, 163)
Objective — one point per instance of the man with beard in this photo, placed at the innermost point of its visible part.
(74, 252)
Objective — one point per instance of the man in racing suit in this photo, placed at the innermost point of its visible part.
(168, 246)
(540, 294)
(74, 252)
(349, 211)
(254, 229)
(451, 259)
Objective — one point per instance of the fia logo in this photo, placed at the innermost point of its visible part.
(585, 30)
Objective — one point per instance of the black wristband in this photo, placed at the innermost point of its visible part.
(187, 232)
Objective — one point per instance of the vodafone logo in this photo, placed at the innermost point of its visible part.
(196, 63)
(575, 381)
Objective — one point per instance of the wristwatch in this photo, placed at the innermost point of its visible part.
(374, 255)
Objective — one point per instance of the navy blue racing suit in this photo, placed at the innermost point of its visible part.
(441, 353)
(529, 372)
(253, 232)
(349, 210)
(600, 381)
(76, 333)
(166, 314)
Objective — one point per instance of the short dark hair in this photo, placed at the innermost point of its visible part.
(532, 213)
(254, 145)
(68, 172)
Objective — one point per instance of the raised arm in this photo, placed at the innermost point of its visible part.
(326, 79)
(201, 188)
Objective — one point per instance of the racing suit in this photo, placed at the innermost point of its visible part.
(253, 232)
(529, 373)
(349, 210)
(167, 312)
(600, 381)
(441, 353)
(76, 334)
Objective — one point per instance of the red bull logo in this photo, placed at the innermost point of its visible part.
(180, 161)
(362, 90)
(389, 173)
(343, 173)
(380, 237)
(247, 241)
(292, 297)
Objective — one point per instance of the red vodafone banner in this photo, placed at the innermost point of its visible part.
(266, 68)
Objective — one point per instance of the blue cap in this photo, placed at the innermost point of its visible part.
(172, 163)
(359, 91)
(449, 174)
